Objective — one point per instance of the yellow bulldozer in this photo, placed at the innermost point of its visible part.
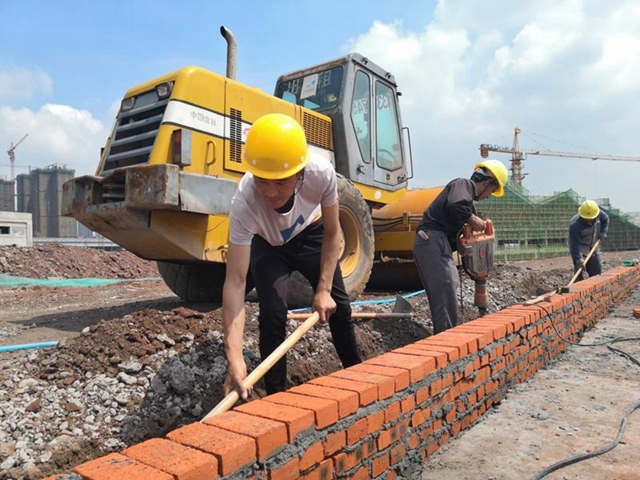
(169, 169)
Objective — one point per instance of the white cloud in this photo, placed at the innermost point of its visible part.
(569, 70)
(24, 84)
(57, 134)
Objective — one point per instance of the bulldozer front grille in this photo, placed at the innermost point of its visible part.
(235, 140)
(135, 132)
(317, 130)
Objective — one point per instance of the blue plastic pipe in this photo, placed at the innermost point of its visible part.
(25, 346)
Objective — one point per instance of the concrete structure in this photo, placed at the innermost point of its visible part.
(7, 196)
(381, 418)
(16, 229)
(40, 193)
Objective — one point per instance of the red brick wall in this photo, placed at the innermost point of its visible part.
(381, 418)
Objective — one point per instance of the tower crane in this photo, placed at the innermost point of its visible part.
(12, 157)
(518, 155)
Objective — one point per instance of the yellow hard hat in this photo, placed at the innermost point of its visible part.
(589, 210)
(276, 147)
(499, 173)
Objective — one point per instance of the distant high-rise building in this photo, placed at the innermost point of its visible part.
(40, 193)
(7, 200)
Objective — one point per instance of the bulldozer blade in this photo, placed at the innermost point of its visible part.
(402, 305)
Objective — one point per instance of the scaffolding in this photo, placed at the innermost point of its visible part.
(537, 226)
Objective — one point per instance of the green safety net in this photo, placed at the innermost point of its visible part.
(10, 281)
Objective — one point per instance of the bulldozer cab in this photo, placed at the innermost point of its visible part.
(361, 99)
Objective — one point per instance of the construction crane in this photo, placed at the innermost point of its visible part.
(518, 155)
(12, 157)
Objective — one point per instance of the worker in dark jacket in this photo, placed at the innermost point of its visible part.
(588, 226)
(438, 232)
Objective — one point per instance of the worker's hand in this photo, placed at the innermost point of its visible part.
(477, 224)
(324, 305)
(601, 238)
(580, 264)
(235, 376)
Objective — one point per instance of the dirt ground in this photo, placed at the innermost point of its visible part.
(135, 362)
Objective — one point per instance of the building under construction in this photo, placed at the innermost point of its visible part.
(531, 226)
(7, 196)
(40, 193)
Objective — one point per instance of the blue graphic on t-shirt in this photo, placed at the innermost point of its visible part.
(286, 234)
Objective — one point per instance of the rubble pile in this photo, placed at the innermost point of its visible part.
(58, 261)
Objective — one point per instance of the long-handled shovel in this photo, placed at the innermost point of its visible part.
(584, 264)
(401, 308)
(565, 289)
(228, 401)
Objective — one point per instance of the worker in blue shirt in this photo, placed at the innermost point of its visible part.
(588, 226)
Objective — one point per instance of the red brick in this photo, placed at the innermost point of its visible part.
(385, 385)
(636, 312)
(452, 353)
(118, 467)
(348, 402)
(367, 392)
(288, 471)
(325, 411)
(379, 465)
(296, 419)
(441, 358)
(268, 435)
(334, 441)
(392, 412)
(182, 462)
(375, 422)
(429, 357)
(399, 375)
(312, 456)
(485, 330)
(324, 471)
(445, 339)
(232, 450)
(415, 365)
(357, 431)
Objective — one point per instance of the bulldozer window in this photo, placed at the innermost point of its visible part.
(388, 149)
(316, 91)
(361, 114)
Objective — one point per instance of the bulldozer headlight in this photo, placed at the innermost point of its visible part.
(127, 104)
(164, 90)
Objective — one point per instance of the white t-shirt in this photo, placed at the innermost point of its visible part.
(250, 216)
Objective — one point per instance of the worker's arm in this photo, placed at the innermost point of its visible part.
(233, 317)
(322, 302)
(604, 225)
(574, 243)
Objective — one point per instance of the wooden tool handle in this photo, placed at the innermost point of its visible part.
(584, 263)
(228, 401)
(303, 316)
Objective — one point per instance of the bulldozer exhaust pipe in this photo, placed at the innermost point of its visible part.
(231, 51)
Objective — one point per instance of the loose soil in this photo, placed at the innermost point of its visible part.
(135, 361)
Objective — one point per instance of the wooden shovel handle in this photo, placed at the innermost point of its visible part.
(303, 316)
(228, 401)
(584, 263)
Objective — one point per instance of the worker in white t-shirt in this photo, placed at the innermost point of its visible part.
(284, 217)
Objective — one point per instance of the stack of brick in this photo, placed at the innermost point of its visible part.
(379, 419)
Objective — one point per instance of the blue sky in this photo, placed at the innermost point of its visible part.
(565, 71)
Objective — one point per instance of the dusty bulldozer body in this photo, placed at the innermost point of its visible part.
(170, 167)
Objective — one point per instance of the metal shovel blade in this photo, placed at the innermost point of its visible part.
(402, 305)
